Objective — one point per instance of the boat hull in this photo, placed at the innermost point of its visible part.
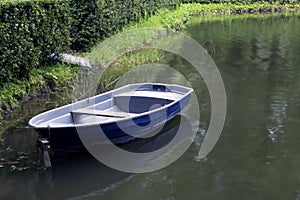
(66, 140)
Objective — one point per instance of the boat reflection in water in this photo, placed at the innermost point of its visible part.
(81, 175)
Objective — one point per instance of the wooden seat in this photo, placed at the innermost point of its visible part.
(104, 113)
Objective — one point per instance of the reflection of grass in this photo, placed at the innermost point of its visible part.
(246, 16)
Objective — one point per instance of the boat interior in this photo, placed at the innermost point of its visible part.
(110, 106)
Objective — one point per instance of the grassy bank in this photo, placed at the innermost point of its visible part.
(40, 80)
(177, 18)
(60, 75)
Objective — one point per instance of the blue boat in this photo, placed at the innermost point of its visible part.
(124, 115)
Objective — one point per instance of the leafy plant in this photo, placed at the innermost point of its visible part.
(30, 31)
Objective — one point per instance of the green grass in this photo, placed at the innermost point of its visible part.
(47, 78)
(125, 63)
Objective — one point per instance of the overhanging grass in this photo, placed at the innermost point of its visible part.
(47, 78)
(125, 63)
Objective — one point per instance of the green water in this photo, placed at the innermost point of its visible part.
(256, 157)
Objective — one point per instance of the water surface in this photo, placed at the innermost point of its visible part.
(257, 156)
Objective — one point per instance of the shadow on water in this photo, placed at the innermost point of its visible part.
(75, 176)
(78, 176)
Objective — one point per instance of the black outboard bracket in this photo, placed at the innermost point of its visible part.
(43, 144)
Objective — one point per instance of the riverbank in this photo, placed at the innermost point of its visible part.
(60, 75)
(42, 80)
(176, 19)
